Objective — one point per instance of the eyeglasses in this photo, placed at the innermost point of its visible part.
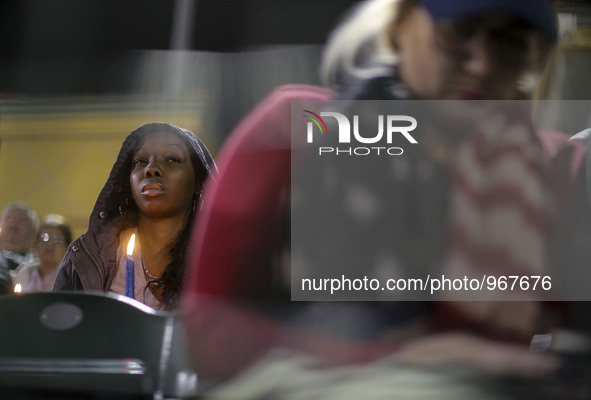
(46, 238)
(508, 42)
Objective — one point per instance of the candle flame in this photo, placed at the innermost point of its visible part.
(18, 288)
(130, 245)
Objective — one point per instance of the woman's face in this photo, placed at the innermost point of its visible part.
(162, 178)
(50, 246)
(476, 58)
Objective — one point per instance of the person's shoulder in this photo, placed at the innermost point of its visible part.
(3, 260)
(4, 265)
(23, 273)
(14, 260)
(26, 268)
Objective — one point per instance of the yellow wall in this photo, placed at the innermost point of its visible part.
(57, 158)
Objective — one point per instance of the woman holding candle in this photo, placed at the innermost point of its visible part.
(153, 191)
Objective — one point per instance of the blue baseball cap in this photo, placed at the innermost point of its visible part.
(539, 13)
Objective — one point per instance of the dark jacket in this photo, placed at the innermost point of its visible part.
(91, 260)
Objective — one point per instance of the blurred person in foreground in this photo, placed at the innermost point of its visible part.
(154, 191)
(396, 50)
(477, 194)
(53, 237)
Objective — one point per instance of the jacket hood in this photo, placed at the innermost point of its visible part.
(116, 192)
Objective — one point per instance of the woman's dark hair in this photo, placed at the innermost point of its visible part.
(172, 278)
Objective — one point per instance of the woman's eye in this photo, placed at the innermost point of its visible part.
(174, 159)
(138, 161)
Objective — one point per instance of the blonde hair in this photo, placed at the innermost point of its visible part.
(359, 48)
(363, 46)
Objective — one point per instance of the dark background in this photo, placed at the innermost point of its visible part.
(84, 46)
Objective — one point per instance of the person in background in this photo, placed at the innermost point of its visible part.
(18, 225)
(153, 191)
(53, 237)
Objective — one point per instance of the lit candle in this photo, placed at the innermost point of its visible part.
(129, 270)
(18, 288)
